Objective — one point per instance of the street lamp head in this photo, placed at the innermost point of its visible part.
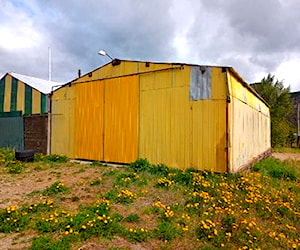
(104, 53)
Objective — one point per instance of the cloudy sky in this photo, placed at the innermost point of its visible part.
(256, 37)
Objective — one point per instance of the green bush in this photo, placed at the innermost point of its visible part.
(13, 220)
(164, 182)
(49, 225)
(132, 218)
(276, 169)
(15, 167)
(137, 234)
(166, 231)
(6, 155)
(160, 170)
(125, 196)
(140, 165)
(45, 206)
(185, 177)
(100, 208)
(125, 179)
(51, 158)
(55, 188)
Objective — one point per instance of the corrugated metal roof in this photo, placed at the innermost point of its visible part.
(246, 85)
(43, 86)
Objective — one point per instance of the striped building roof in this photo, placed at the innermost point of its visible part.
(25, 93)
(41, 85)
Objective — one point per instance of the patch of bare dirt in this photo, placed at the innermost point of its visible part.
(287, 156)
(16, 188)
(117, 243)
(24, 188)
(15, 241)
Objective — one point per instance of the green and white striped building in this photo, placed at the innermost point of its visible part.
(24, 93)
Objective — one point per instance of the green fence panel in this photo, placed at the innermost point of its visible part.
(12, 132)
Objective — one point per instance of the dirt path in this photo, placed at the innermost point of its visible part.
(286, 156)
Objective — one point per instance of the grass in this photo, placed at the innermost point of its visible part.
(152, 205)
(277, 169)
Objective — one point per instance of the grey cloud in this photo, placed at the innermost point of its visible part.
(251, 35)
(273, 25)
(140, 30)
(76, 31)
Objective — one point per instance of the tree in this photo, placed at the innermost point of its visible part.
(281, 107)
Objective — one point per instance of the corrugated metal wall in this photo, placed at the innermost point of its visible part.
(179, 132)
(11, 130)
(106, 118)
(89, 113)
(165, 118)
(102, 116)
(63, 122)
(121, 105)
(17, 96)
(249, 126)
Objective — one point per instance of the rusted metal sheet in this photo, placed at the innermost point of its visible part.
(200, 83)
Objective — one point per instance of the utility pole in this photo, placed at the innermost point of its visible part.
(49, 103)
(298, 124)
(49, 64)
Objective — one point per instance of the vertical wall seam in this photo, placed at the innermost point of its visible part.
(139, 118)
(103, 123)
(228, 167)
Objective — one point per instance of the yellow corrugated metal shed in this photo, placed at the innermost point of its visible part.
(181, 115)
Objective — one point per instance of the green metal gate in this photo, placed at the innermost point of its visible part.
(11, 130)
